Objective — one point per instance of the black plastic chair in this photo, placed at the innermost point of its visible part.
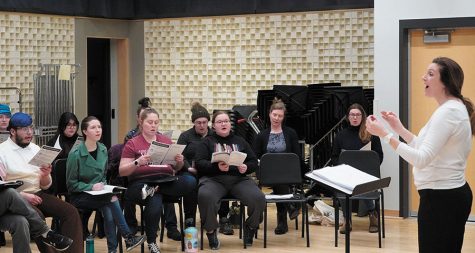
(284, 169)
(366, 161)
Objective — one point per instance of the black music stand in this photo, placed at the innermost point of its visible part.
(357, 190)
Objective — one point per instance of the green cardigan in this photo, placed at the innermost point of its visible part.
(83, 171)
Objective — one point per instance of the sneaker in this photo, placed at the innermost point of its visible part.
(133, 241)
(147, 191)
(57, 241)
(373, 222)
(248, 235)
(225, 226)
(174, 234)
(213, 240)
(153, 248)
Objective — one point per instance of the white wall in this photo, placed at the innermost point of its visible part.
(386, 61)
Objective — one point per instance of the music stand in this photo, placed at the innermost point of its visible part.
(357, 190)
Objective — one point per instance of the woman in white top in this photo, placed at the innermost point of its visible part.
(439, 157)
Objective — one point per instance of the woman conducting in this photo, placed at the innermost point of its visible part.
(439, 157)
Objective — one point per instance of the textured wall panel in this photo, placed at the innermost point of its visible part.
(27, 40)
(224, 61)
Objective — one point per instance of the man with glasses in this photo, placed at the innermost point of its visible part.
(15, 153)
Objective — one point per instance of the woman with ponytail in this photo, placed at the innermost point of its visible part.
(439, 157)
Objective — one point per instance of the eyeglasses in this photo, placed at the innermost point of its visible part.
(219, 122)
(26, 129)
(355, 115)
(72, 125)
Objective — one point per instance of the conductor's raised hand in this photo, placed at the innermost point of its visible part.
(393, 121)
(375, 127)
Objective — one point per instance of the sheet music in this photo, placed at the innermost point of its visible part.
(4, 135)
(342, 177)
(108, 189)
(161, 153)
(46, 155)
(366, 147)
(235, 158)
(276, 196)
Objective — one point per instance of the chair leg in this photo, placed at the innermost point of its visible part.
(305, 217)
(378, 210)
(142, 228)
(243, 217)
(162, 225)
(382, 214)
(265, 226)
(182, 231)
(119, 240)
(201, 232)
(337, 218)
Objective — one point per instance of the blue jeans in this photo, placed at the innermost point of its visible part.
(153, 205)
(111, 211)
(113, 218)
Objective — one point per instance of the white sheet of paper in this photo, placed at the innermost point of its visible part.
(366, 147)
(107, 189)
(235, 158)
(64, 72)
(342, 177)
(275, 196)
(161, 153)
(46, 155)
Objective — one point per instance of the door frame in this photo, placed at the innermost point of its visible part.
(404, 27)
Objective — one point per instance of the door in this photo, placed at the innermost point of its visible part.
(461, 48)
(99, 84)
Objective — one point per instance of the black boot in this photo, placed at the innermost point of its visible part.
(282, 227)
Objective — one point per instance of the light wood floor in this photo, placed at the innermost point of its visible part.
(401, 236)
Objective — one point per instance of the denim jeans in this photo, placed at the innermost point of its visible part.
(113, 218)
(111, 211)
(153, 205)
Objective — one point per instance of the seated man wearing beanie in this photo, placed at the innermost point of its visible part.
(15, 153)
(21, 220)
(191, 138)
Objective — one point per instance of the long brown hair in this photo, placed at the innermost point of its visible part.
(364, 135)
(451, 75)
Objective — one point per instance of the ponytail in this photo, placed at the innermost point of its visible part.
(471, 113)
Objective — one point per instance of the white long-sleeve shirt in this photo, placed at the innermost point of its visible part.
(439, 153)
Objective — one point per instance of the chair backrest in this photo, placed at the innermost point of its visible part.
(279, 168)
(364, 160)
(58, 174)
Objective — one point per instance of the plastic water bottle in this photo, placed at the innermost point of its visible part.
(90, 244)
(191, 237)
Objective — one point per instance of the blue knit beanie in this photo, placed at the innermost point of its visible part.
(5, 109)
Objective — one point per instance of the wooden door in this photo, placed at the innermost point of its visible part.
(461, 48)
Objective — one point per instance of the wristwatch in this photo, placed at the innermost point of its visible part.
(136, 163)
(387, 138)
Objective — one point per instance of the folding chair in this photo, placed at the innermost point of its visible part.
(284, 169)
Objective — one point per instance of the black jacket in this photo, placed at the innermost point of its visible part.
(207, 147)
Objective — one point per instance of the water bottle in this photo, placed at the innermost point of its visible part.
(90, 244)
(191, 237)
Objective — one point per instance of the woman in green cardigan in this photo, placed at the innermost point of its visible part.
(86, 172)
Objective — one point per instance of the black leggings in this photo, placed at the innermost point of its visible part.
(441, 219)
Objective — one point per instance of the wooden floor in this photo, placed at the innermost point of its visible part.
(401, 236)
